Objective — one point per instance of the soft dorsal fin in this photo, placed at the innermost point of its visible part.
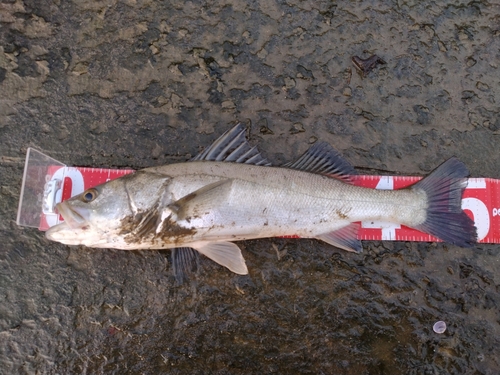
(321, 158)
(232, 146)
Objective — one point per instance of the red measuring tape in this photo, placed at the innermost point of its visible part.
(481, 200)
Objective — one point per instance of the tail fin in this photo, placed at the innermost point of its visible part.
(445, 217)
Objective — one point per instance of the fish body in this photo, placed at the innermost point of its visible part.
(207, 203)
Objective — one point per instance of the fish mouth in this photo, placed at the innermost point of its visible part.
(73, 231)
(64, 234)
(72, 217)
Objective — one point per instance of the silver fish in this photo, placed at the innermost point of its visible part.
(231, 193)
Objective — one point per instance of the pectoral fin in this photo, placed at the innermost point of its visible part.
(344, 238)
(227, 254)
(201, 201)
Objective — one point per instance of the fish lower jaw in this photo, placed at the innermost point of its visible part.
(85, 235)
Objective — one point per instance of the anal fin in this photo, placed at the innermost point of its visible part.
(344, 238)
(226, 254)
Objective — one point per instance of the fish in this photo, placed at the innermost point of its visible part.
(230, 192)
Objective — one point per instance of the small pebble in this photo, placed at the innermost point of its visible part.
(439, 327)
(347, 91)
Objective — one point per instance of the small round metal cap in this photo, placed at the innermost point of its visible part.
(439, 327)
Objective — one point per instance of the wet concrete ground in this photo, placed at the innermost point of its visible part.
(140, 83)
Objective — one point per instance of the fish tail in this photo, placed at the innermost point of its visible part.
(445, 218)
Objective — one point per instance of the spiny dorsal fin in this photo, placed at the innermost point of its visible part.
(232, 146)
(321, 158)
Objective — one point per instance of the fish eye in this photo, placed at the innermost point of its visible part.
(89, 195)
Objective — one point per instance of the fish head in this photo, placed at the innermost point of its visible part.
(96, 217)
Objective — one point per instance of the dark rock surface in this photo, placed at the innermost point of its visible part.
(137, 83)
